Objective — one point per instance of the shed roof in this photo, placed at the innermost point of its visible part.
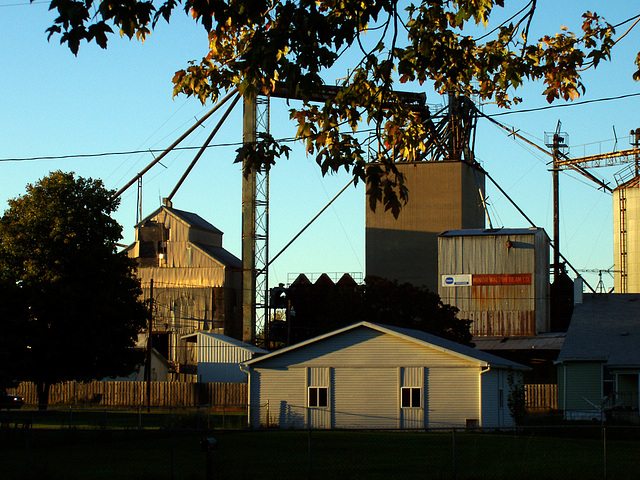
(491, 232)
(192, 337)
(416, 336)
(605, 327)
(220, 254)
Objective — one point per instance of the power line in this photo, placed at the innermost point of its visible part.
(26, 4)
(286, 139)
(573, 104)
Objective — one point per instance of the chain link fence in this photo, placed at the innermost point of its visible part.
(168, 444)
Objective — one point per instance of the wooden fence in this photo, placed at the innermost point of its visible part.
(133, 394)
(164, 394)
(541, 397)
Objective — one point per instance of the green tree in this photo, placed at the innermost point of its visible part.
(81, 313)
(256, 45)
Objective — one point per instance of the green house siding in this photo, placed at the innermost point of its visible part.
(580, 385)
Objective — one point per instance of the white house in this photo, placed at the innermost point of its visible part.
(375, 376)
(218, 356)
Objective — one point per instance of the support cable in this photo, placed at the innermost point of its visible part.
(307, 225)
(204, 147)
(534, 225)
(177, 142)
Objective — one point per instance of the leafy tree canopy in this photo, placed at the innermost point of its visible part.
(79, 313)
(256, 45)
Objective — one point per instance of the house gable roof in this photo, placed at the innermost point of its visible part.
(415, 336)
(605, 327)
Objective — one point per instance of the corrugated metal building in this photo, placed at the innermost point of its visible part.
(196, 282)
(376, 376)
(497, 278)
(442, 196)
(218, 357)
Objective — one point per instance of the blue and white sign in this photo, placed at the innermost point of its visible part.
(456, 280)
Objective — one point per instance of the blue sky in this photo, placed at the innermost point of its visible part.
(118, 100)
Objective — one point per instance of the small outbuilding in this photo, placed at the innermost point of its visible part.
(217, 357)
(372, 376)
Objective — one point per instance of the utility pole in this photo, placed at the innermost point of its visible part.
(558, 142)
(147, 368)
(635, 141)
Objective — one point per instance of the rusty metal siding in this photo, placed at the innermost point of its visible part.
(511, 309)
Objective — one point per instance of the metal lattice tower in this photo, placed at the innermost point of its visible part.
(262, 225)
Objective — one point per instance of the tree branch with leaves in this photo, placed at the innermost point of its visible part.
(256, 45)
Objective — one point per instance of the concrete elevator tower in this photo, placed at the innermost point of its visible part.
(442, 196)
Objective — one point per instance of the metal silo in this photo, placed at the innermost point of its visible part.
(626, 237)
(497, 278)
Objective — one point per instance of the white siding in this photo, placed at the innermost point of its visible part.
(365, 370)
(319, 417)
(454, 396)
(366, 398)
(280, 395)
(412, 377)
(218, 359)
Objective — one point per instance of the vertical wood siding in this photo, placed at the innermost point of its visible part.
(541, 397)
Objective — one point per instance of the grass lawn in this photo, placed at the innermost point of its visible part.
(159, 454)
(94, 417)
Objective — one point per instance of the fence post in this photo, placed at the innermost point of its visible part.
(70, 420)
(604, 446)
(309, 468)
(455, 463)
